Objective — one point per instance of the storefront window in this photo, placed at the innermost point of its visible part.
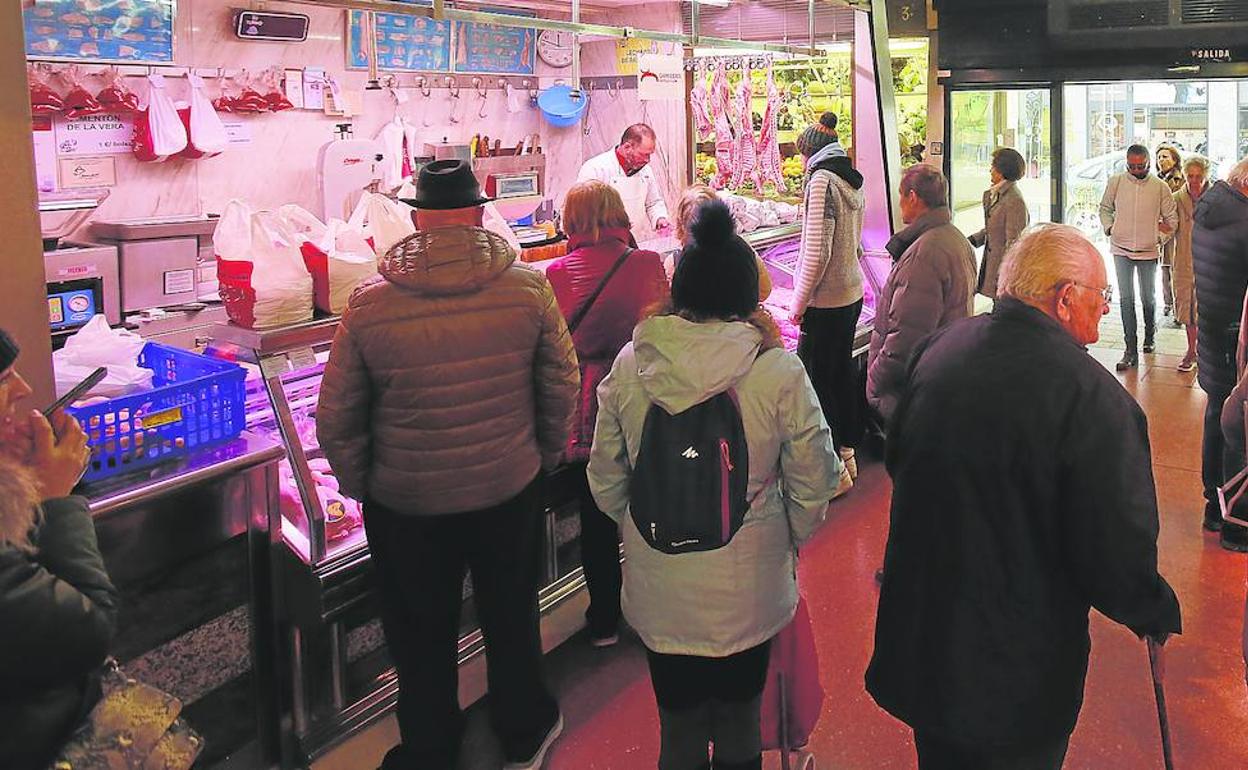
(909, 59)
(808, 88)
(1208, 118)
(983, 121)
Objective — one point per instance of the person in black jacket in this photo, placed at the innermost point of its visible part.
(1220, 262)
(58, 607)
(997, 552)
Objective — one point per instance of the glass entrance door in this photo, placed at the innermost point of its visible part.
(982, 121)
(1195, 117)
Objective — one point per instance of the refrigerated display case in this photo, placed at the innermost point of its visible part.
(778, 248)
(334, 674)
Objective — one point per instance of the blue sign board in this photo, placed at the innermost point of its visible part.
(404, 43)
(100, 30)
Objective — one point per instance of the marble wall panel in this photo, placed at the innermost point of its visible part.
(279, 165)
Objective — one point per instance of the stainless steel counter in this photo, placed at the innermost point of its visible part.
(208, 464)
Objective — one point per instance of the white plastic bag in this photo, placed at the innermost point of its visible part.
(337, 255)
(303, 222)
(206, 134)
(158, 130)
(96, 345)
(263, 281)
(282, 283)
(351, 262)
(386, 222)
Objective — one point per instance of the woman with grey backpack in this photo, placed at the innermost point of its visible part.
(711, 451)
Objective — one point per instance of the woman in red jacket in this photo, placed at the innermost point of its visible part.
(598, 234)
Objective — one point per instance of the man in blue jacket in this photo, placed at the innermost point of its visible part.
(997, 553)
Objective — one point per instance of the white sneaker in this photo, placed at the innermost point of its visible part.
(535, 761)
(847, 457)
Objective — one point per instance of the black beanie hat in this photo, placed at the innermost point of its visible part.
(818, 136)
(717, 275)
(8, 350)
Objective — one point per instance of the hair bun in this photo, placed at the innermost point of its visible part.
(712, 224)
(828, 120)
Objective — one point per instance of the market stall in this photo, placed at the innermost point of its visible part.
(218, 180)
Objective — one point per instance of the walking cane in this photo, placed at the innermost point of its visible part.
(1154, 663)
(784, 723)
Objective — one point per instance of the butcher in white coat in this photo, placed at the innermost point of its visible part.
(627, 169)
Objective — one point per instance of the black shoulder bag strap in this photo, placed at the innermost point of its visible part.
(583, 310)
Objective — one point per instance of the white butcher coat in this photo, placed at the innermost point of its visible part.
(643, 198)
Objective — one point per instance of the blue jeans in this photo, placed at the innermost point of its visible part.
(1126, 269)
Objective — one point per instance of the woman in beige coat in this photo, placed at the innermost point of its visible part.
(1005, 216)
(1183, 281)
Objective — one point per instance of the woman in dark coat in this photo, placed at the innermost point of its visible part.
(58, 607)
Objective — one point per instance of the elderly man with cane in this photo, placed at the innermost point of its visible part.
(996, 554)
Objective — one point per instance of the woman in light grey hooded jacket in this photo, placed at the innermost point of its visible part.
(722, 606)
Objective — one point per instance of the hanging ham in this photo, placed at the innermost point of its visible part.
(769, 167)
(746, 151)
(697, 104)
(721, 117)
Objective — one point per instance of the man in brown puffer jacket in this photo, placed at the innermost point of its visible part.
(451, 385)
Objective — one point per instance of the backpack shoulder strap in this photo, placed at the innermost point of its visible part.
(583, 310)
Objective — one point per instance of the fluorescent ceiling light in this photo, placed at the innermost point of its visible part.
(717, 3)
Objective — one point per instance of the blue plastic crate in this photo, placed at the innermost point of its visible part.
(194, 401)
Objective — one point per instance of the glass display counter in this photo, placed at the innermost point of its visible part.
(778, 247)
(335, 676)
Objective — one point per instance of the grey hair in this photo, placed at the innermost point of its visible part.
(1046, 256)
(1196, 160)
(1239, 175)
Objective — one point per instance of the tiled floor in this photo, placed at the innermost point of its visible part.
(609, 707)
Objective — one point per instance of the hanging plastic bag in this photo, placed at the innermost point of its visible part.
(79, 101)
(275, 99)
(205, 132)
(263, 282)
(337, 255)
(115, 98)
(158, 130)
(96, 345)
(795, 660)
(44, 100)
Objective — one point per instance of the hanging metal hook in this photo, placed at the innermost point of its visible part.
(453, 85)
(423, 85)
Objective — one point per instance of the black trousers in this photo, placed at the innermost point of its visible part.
(421, 562)
(600, 556)
(1216, 463)
(937, 754)
(826, 347)
(710, 700)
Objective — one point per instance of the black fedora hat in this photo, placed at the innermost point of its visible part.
(447, 184)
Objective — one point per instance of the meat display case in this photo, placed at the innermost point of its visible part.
(333, 674)
(778, 248)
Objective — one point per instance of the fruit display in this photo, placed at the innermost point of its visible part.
(793, 171)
